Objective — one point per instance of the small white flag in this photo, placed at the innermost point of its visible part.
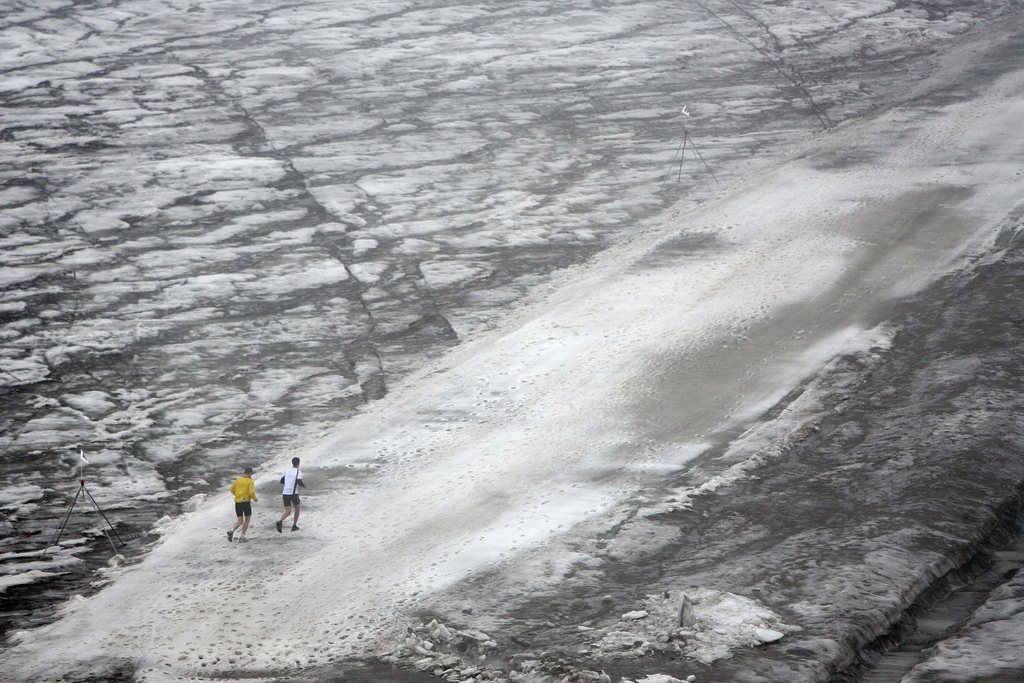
(82, 456)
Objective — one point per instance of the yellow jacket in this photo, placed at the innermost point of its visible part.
(243, 489)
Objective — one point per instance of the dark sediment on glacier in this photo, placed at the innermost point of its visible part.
(136, 325)
(907, 481)
(912, 470)
(953, 608)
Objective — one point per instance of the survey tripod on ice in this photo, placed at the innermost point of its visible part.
(83, 493)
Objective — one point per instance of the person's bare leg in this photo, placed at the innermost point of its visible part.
(245, 524)
(286, 515)
(295, 521)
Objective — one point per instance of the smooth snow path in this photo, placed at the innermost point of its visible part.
(622, 369)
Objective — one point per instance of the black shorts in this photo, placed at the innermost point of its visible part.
(243, 509)
(291, 500)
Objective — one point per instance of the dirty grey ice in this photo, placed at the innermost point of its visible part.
(228, 227)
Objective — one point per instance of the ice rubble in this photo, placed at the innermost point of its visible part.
(699, 624)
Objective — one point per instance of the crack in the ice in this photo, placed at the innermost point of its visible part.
(263, 147)
(778, 47)
(778, 63)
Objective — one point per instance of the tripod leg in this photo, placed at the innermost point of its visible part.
(96, 505)
(682, 143)
(701, 156)
(64, 522)
(682, 154)
(110, 541)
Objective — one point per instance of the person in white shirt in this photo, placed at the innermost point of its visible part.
(292, 480)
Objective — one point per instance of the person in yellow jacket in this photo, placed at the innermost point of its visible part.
(244, 491)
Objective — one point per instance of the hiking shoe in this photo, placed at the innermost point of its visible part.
(278, 525)
(231, 535)
(295, 528)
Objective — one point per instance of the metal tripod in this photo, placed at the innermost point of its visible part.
(681, 151)
(67, 516)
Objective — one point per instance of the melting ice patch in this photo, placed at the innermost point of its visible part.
(440, 274)
(22, 569)
(716, 624)
(18, 495)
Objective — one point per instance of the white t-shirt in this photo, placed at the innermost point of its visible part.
(291, 486)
